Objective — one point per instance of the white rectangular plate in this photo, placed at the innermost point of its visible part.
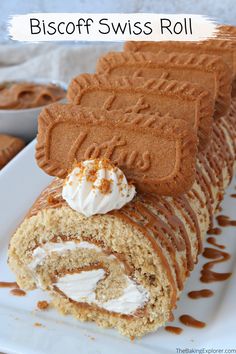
(20, 183)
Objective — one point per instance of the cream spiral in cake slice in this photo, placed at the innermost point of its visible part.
(80, 285)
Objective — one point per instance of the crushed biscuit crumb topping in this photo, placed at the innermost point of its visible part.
(105, 186)
(90, 171)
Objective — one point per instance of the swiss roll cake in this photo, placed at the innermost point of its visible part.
(112, 254)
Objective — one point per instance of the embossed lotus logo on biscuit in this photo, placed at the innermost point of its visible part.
(158, 153)
(146, 95)
(114, 149)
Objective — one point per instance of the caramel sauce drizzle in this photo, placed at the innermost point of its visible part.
(217, 168)
(8, 284)
(170, 218)
(213, 242)
(219, 151)
(203, 160)
(190, 216)
(214, 231)
(164, 208)
(199, 294)
(230, 124)
(224, 150)
(228, 127)
(207, 275)
(197, 196)
(209, 166)
(191, 321)
(183, 207)
(15, 291)
(205, 187)
(49, 198)
(223, 153)
(154, 221)
(224, 221)
(156, 229)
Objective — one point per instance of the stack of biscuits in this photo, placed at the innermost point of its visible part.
(164, 114)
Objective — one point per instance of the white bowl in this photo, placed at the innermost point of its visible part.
(23, 123)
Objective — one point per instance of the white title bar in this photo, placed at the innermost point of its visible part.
(38, 27)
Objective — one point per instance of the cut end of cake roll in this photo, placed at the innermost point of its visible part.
(97, 269)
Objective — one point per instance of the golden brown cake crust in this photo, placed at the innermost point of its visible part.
(182, 100)
(157, 153)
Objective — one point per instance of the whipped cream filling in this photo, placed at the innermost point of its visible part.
(97, 187)
(46, 249)
(81, 287)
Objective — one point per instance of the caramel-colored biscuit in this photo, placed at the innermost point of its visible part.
(181, 99)
(227, 32)
(210, 72)
(158, 153)
(9, 147)
(223, 48)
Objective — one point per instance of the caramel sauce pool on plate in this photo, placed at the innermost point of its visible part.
(207, 275)
(190, 321)
(213, 242)
(18, 292)
(224, 221)
(173, 329)
(214, 231)
(198, 294)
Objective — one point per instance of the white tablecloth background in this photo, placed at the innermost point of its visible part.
(56, 62)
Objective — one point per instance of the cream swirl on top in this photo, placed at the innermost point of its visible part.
(97, 187)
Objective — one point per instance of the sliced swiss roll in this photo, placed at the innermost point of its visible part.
(125, 268)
